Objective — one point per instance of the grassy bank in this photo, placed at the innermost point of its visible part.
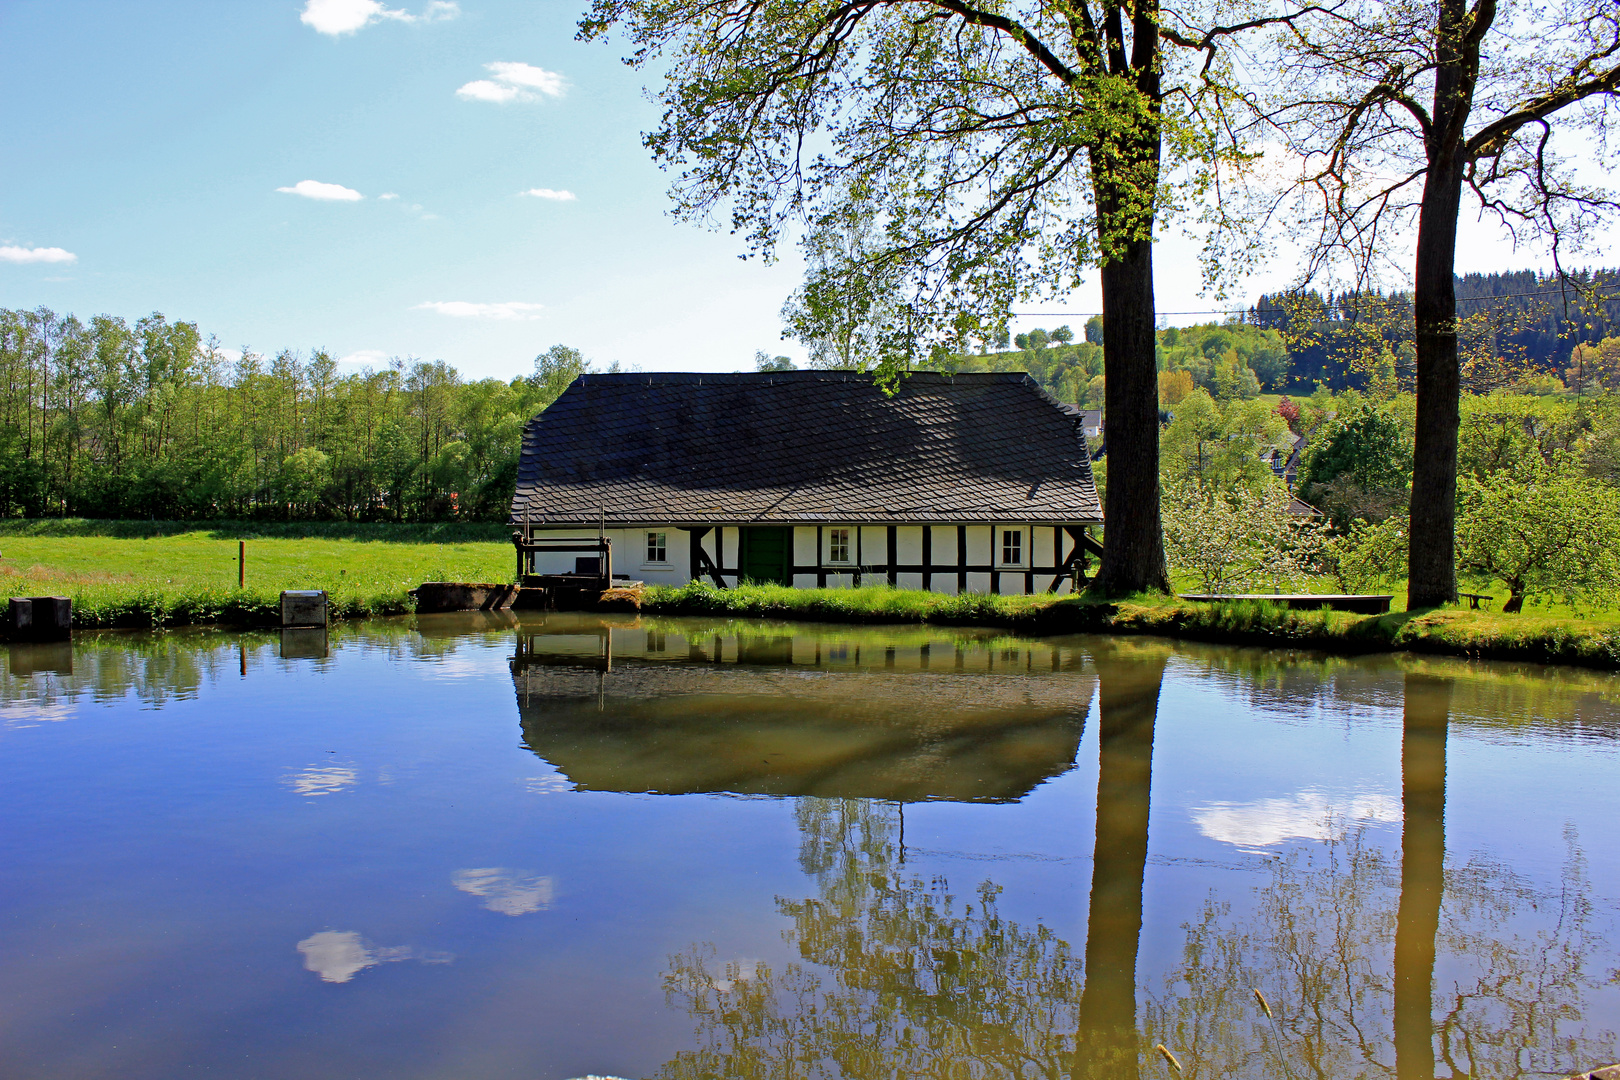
(1444, 631)
(148, 574)
(144, 574)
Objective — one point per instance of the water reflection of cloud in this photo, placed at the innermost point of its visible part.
(1307, 815)
(555, 784)
(322, 779)
(33, 715)
(737, 971)
(458, 667)
(506, 891)
(339, 955)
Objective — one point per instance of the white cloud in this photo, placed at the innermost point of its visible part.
(462, 309)
(13, 254)
(372, 357)
(516, 73)
(504, 891)
(513, 81)
(314, 189)
(548, 193)
(389, 195)
(1307, 815)
(338, 17)
(484, 90)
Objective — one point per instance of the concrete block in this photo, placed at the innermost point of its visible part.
(20, 619)
(39, 618)
(303, 607)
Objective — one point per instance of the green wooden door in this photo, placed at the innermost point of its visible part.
(766, 554)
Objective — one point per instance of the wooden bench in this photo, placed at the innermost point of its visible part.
(1362, 603)
(1474, 599)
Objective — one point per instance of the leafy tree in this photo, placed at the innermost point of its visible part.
(1218, 444)
(998, 150)
(556, 368)
(1358, 466)
(1381, 100)
(763, 361)
(1368, 555)
(1543, 529)
(1094, 330)
(1063, 335)
(1238, 539)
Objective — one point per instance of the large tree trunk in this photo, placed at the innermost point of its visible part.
(1431, 554)
(1133, 539)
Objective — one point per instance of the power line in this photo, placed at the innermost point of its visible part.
(1246, 310)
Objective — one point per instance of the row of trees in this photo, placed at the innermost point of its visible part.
(946, 159)
(103, 418)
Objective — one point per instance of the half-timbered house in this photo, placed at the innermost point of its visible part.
(954, 483)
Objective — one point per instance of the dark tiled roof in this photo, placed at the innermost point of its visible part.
(804, 446)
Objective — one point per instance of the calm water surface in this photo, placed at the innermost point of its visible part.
(460, 847)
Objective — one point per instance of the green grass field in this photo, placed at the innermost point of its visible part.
(148, 574)
(143, 574)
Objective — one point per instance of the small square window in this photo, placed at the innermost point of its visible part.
(657, 547)
(1012, 547)
(838, 546)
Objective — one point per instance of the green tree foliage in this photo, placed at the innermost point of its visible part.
(1359, 465)
(1217, 444)
(1238, 539)
(1541, 529)
(105, 419)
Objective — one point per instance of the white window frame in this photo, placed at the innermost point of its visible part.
(849, 547)
(647, 547)
(1024, 537)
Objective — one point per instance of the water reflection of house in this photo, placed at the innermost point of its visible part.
(678, 711)
(966, 483)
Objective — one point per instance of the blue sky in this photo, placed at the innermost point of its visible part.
(172, 149)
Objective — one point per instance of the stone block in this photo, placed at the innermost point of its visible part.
(303, 607)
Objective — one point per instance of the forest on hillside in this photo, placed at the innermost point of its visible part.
(104, 418)
(1518, 330)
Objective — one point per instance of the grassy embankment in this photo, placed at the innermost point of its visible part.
(142, 574)
(1551, 638)
(137, 573)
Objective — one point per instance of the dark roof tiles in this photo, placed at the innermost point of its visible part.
(804, 446)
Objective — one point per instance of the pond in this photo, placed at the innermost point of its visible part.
(570, 846)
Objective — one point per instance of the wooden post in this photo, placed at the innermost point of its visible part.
(241, 564)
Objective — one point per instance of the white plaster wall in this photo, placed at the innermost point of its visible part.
(945, 583)
(944, 553)
(1042, 549)
(979, 544)
(908, 581)
(977, 581)
(804, 547)
(908, 544)
(804, 581)
(874, 545)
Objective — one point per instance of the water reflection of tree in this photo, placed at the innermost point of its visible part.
(907, 980)
(898, 977)
(1334, 973)
(903, 978)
